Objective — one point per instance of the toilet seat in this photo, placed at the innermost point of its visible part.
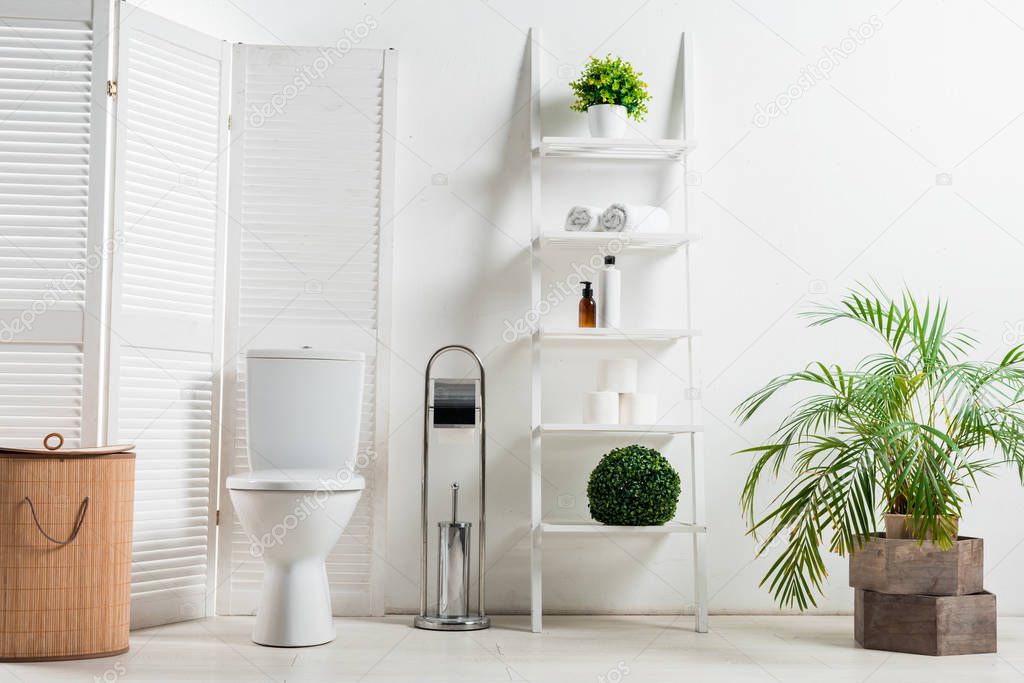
(296, 480)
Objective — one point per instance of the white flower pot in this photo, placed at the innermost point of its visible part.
(606, 120)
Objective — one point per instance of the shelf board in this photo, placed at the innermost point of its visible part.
(595, 528)
(612, 334)
(623, 240)
(615, 148)
(649, 430)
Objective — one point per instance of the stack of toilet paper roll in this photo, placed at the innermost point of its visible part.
(617, 401)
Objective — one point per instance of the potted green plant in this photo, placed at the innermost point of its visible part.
(609, 90)
(902, 436)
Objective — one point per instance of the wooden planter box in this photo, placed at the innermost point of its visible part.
(925, 624)
(905, 567)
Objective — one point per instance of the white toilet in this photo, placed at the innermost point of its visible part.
(303, 412)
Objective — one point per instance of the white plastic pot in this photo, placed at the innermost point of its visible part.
(606, 120)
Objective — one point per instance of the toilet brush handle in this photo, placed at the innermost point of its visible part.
(455, 501)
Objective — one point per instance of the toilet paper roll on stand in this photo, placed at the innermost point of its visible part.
(638, 409)
(618, 375)
(600, 408)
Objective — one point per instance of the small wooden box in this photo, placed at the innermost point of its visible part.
(925, 624)
(906, 567)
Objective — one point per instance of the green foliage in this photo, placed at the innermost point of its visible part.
(611, 81)
(902, 432)
(633, 486)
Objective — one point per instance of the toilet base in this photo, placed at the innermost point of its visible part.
(294, 532)
(295, 606)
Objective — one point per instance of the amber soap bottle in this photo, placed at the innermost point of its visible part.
(588, 307)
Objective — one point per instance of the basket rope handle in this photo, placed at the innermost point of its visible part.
(74, 532)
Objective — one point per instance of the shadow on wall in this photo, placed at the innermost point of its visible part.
(508, 453)
(500, 253)
(493, 186)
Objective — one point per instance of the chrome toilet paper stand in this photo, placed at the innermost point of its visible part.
(454, 411)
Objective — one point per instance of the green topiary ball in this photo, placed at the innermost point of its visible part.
(633, 486)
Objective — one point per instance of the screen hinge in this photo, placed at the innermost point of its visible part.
(112, 88)
(229, 121)
(216, 518)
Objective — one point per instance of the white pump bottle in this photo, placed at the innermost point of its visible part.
(610, 297)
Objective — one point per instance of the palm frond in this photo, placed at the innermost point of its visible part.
(902, 432)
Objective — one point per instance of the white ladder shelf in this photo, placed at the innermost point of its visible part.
(666, 151)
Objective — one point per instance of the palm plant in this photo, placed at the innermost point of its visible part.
(906, 431)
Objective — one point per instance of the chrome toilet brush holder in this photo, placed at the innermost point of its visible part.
(453, 564)
(453, 405)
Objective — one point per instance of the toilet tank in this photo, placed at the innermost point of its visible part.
(303, 408)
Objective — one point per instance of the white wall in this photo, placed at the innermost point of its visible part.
(850, 184)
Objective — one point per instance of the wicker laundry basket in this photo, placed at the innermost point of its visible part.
(65, 551)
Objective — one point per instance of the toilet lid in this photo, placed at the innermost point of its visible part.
(296, 480)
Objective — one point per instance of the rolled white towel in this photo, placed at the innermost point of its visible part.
(634, 218)
(583, 218)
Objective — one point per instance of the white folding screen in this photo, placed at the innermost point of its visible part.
(143, 355)
(309, 202)
(53, 73)
(167, 303)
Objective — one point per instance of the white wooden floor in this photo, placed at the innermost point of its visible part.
(591, 649)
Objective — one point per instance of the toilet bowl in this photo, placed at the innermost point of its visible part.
(292, 525)
(303, 413)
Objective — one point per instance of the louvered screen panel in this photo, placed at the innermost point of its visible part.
(308, 191)
(45, 80)
(311, 193)
(40, 392)
(49, 226)
(166, 339)
(173, 126)
(165, 407)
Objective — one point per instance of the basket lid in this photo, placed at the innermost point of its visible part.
(53, 445)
